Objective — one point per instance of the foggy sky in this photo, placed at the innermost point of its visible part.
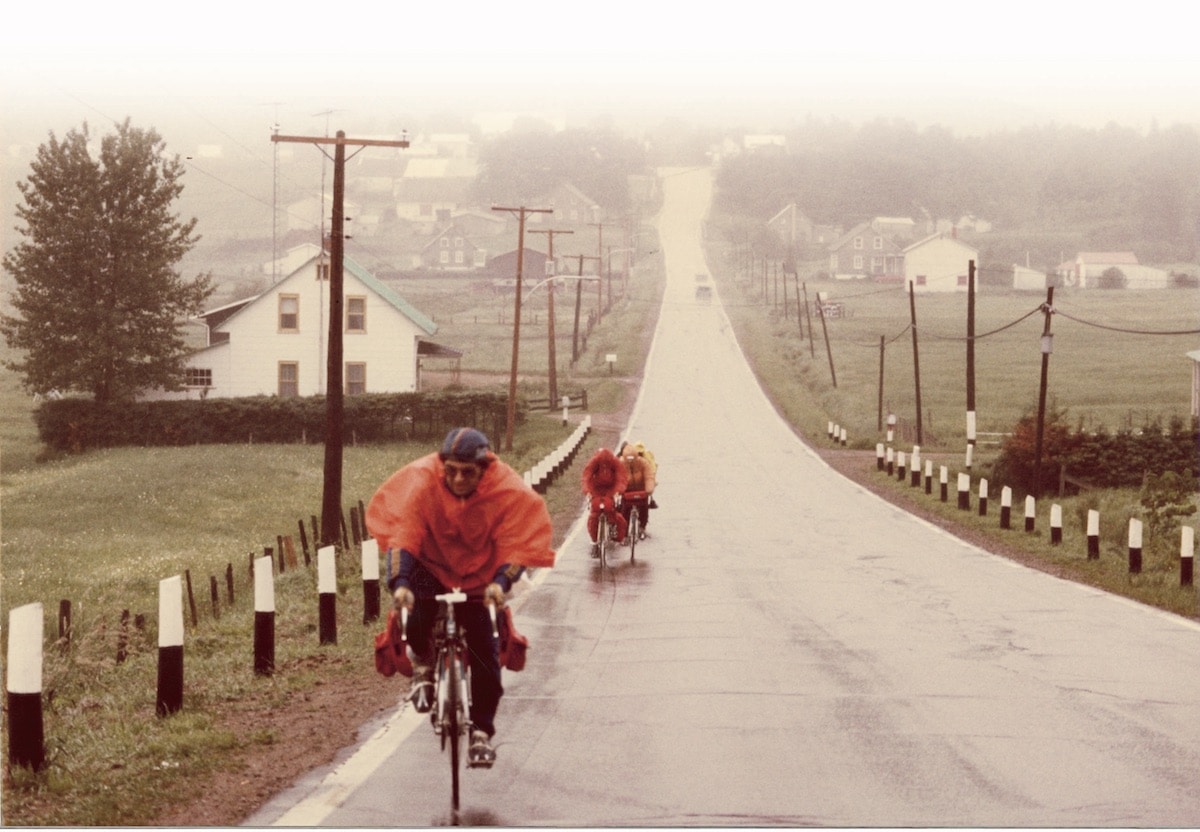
(971, 67)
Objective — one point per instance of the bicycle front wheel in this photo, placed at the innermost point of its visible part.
(453, 726)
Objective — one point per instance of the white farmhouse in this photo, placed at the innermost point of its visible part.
(276, 343)
(939, 263)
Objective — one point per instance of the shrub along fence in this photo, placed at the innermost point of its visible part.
(75, 424)
(177, 604)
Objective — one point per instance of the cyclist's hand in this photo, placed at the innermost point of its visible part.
(403, 597)
(494, 595)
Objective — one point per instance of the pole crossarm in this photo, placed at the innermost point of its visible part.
(342, 140)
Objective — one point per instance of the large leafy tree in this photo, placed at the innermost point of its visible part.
(100, 304)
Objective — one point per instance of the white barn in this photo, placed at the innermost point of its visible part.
(939, 263)
(276, 343)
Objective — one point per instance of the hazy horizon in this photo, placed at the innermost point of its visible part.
(753, 66)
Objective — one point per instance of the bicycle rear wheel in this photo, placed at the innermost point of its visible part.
(602, 540)
(632, 532)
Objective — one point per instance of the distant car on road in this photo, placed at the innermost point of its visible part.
(704, 293)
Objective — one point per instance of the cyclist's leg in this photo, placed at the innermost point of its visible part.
(622, 521)
(421, 623)
(486, 687)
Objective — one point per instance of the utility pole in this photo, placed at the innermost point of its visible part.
(600, 258)
(912, 306)
(1047, 348)
(553, 359)
(578, 305)
(331, 500)
(511, 418)
(970, 363)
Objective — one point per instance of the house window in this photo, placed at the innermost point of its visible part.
(445, 242)
(920, 280)
(197, 377)
(877, 265)
(356, 314)
(858, 263)
(858, 242)
(444, 257)
(289, 379)
(458, 258)
(356, 379)
(289, 313)
(879, 244)
(322, 271)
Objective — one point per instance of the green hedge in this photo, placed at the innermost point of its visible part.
(79, 424)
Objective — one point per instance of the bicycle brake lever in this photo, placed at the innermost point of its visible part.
(404, 623)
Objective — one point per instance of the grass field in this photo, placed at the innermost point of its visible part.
(1099, 376)
(101, 529)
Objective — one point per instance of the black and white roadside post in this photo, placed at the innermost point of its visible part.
(327, 594)
(944, 482)
(23, 687)
(929, 476)
(264, 617)
(891, 461)
(983, 497)
(879, 454)
(1187, 544)
(901, 466)
(566, 406)
(829, 430)
(1093, 534)
(370, 573)
(1006, 507)
(964, 491)
(1135, 546)
(891, 427)
(1030, 512)
(1055, 524)
(914, 466)
(843, 437)
(170, 646)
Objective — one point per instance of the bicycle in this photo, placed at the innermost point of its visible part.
(635, 499)
(603, 536)
(451, 711)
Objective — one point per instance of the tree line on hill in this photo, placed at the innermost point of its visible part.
(1050, 186)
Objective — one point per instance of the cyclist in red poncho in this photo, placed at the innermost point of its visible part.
(604, 477)
(460, 518)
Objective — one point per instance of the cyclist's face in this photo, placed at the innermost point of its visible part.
(462, 477)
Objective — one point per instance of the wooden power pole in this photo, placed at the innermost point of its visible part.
(331, 500)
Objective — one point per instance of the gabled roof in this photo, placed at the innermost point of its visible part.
(940, 235)
(216, 317)
(384, 291)
(849, 235)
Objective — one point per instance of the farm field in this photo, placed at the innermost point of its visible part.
(1099, 376)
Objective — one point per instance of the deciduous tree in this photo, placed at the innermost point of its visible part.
(99, 302)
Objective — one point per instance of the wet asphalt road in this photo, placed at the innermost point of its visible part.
(788, 649)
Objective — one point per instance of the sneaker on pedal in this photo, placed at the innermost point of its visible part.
(595, 552)
(480, 754)
(641, 534)
(421, 691)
